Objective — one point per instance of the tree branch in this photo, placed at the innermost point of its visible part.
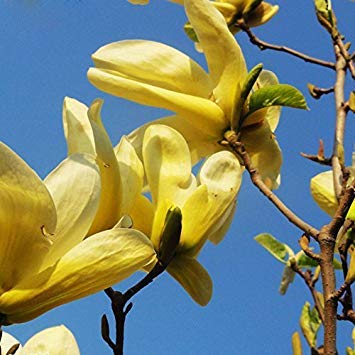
(265, 45)
(239, 149)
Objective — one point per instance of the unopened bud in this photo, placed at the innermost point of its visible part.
(170, 236)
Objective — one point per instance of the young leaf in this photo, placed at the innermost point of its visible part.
(288, 276)
(276, 95)
(310, 324)
(274, 247)
(247, 86)
(190, 32)
(296, 344)
(350, 276)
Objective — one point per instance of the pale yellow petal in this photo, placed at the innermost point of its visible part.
(93, 265)
(139, 2)
(262, 14)
(217, 234)
(142, 214)
(130, 177)
(158, 221)
(198, 111)
(220, 179)
(193, 277)
(7, 342)
(167, 164)
(27, 219)
(75, 188)
(265, 153)
(224, 57)
(52, 341)
(155, 64)
(200, 144)
(322, 190)
(85, 133)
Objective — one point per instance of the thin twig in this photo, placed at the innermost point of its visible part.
(317, 92)
(345, 54)
(307, 278)
(304, 244)
(239, 149)
(319, 158)
(120, 308)
(338, 147)
(265, 45)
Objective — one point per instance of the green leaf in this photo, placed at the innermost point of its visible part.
(243, 95)
(305, 262)
(310, 324)
(350, 276)
(274, 247)
(276, 95)
(296, 344)
(190, 32)
(288, 276)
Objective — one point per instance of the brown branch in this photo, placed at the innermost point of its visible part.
(345, 54)
(304, 244)
(327, 239)
(319, 158)
(338, 146)
(120, 308)
(239, 149)
(262, 45)
(307, 278)
(317, 92)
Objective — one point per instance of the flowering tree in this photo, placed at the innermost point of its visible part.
(108, 211)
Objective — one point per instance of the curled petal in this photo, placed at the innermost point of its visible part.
(85, 133)
(75, 188)
(193, 277)
(54, 341)
(155, 64)
(93, 265)
(195, 109)
(262, 14)
(224, 57)
(167, 164)
(27, 219)
(130, 177)
(264, 151)
(322, 190)
(200, 144)
(220, 179)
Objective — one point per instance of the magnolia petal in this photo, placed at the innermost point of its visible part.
(27, 219)
(75, 188)
(264, 151)
(139, 2)
(193, 277)
(220, 179)
(273, 113)
(142, 214)
(199, 111)
(130, 177)
(167, 164)
(224, 57)
(155, 64)
(7, 342)
(52, 341)
(93, 265)
(85, 133)
(322, 190)
(262, 14)
(200, 144)
(216, 235)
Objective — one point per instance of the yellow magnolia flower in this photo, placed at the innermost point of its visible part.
(322, 190)
(120, 174)
(206, 105)
(57, 340)
(205, 205)
(44, 259)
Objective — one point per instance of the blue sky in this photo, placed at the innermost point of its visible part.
(45, 51)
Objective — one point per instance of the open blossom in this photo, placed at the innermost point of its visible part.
(323, 193)
(206, 204)
(206, 105)
(57, 340)
(45, 259)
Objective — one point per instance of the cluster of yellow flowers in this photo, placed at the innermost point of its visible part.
(66, 237)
